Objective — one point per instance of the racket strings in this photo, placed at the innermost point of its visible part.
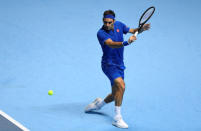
(146, 15)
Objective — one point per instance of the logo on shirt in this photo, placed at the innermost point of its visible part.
(117, 30)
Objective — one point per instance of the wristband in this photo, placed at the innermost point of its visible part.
(125, 43)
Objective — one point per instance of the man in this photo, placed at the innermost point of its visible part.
(110, 37)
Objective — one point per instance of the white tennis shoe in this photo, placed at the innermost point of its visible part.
(94, 105)
(119, 122)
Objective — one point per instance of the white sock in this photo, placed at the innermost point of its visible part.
(117, 111)
(101, 104)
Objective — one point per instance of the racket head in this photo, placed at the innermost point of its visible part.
(146, 15)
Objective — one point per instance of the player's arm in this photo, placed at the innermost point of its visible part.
(113, 44)
(132, 31)
(144, 28)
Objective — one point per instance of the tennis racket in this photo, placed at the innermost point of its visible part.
(145, 17)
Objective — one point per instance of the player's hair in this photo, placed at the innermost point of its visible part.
(108, 12)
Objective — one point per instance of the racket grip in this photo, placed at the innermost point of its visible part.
(136, 33)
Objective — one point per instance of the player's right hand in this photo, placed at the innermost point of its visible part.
(132, 39)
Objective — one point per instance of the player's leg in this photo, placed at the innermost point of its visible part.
(116, 82)
(119, 95)
(109, 98)
(112, 72)
(118, 91)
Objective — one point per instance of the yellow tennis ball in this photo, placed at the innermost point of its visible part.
(50, 92)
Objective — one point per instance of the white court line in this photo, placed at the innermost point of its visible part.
(13, 121)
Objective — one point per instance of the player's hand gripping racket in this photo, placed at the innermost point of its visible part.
(145, 17)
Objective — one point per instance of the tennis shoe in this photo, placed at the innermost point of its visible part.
(94, 105)
(119, 122)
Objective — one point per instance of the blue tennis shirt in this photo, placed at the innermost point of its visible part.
(113, 56)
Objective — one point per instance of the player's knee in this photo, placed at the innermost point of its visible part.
(123, 85)
(120, 85)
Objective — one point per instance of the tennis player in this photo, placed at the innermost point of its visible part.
(111, 39)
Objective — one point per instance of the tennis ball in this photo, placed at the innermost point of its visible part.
(50, 92)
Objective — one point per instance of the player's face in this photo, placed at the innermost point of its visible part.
(108, 23)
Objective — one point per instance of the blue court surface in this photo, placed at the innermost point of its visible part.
(52, 45)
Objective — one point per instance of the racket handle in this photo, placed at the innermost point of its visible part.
(136, 33)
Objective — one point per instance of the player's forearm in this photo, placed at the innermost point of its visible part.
(113, 44)
(133, 30)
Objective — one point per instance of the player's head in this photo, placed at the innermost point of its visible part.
(108, 19)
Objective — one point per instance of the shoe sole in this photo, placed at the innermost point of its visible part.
(119, 126)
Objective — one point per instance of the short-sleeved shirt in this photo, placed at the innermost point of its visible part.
(113, 56)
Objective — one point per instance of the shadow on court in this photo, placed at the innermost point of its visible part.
(102, 114)
(74, 110)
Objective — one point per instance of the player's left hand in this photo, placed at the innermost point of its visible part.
(145, 27)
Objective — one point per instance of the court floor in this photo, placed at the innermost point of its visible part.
(52, 45)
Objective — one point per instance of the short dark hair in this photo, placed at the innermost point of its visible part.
(108, 12)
